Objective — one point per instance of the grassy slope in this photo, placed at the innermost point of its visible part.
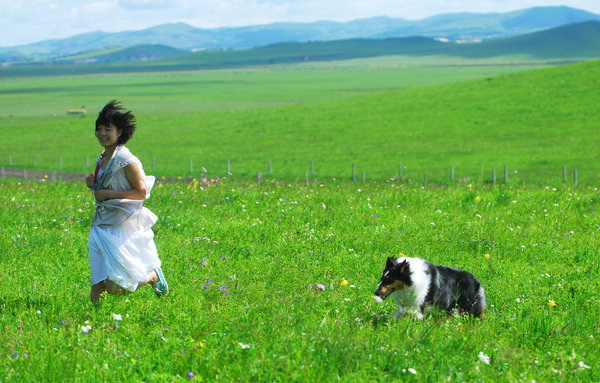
(533, 122)
(269, 244)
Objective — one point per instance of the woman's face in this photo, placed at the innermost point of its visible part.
(107, 135)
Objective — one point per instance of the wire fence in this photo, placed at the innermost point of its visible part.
(310, 172)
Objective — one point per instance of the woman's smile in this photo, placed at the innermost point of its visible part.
(107, 135)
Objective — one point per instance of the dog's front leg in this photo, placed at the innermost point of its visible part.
(400, 312)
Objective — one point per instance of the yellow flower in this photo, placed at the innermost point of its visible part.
(344, 282)
(133, 360)
(45, 176)
(487, 256)
(477, 199)
(201, 344)
(470, 186)
(551, 303)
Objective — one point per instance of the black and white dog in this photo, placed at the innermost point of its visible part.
(416, 285)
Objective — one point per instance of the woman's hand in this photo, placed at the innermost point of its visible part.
(90, 181)
(102, 195)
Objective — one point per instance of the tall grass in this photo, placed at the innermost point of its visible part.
(243, 260)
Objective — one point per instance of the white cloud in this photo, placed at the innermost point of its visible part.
(146, 4)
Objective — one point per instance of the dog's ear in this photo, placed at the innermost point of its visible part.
(404, 267)
(391, 261)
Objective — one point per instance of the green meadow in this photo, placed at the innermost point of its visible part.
(244, 261)
(319, 119)
(273, 280)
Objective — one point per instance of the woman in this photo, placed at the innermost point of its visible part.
(122, 252)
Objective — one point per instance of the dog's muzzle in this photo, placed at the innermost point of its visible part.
(384, 291)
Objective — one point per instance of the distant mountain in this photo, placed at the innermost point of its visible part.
(463, 26)
(575, 42)
(119, 54)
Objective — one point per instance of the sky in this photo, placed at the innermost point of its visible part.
(27, 21)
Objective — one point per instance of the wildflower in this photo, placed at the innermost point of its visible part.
(190, 375)
(223, 288)
(117, 317)
(470, 186)
(133, 360)
(487, 256)
(320, 287)
(222, 256)
(484, 358)
(551, 303)
(377, 299)
(206, 287)
(244, 346)
(477, 199)
(412, 371)
(86, 329)
(344, 282)
(583, 365)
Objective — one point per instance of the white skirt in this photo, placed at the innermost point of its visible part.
(124, 254)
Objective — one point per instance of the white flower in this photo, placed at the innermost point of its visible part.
(377, 299)
(412, 371)
(484, 358)
(244, 346)
(117, 317)
(85, 329)
(583, 365)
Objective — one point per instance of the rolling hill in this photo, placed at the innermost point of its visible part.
(575, 42)
(182, 36)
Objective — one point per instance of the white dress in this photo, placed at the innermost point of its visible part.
(121, 243)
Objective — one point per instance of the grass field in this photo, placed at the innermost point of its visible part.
(243, 261)
(377, 117)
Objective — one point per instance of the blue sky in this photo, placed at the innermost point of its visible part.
(26, 21)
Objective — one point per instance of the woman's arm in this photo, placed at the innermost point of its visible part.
(138, 191)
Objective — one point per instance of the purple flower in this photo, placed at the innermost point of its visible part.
(211, 282)
(15, 355)
(223, 288)
(116, 324)
(222, 256)
(206, 287)
(190, 375)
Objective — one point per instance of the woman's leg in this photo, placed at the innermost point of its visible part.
(114, 289)
(151, 280)
(96, 291)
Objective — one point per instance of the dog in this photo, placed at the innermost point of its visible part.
(417, 285)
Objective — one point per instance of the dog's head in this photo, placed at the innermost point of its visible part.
(396, 276)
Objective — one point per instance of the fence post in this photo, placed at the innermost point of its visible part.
(494, 177)
(312, 169)
(353, 172)
(576, 176)
(564, 173)
(270, 168)
(259, 176)
(191, 166)
(364, 177)
(228, 167)
(452, 173)
(505, 174)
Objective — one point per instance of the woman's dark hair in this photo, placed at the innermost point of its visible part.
(113, 113)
